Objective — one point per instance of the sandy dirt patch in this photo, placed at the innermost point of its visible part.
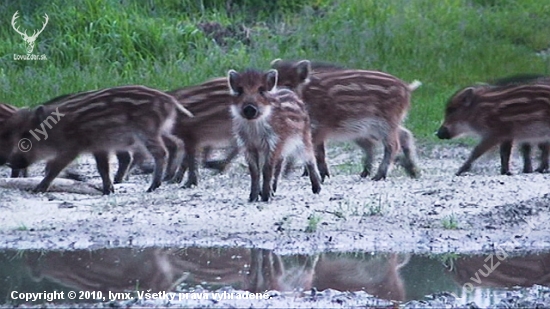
(438, 212)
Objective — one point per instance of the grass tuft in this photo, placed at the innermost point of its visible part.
(450, 222)
(313, 223)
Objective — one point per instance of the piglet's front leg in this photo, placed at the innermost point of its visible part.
(479, 150)
(102, 161)
(254, 169)
(53, 169)
(267, 172)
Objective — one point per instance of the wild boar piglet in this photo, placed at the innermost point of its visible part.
(366, 107)
(124, 158)
(270, 124)
(98, 122)
(210, 127)
(499, 115)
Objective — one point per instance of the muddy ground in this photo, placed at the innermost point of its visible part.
(437, 213)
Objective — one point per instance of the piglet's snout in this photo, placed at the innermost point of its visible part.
(443, 133)
(250, 111)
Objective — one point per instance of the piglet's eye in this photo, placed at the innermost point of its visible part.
(238, 91)
(261, 90)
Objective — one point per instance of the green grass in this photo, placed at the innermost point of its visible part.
(450, 222)
(312, 223)
(445, 44)
(375, 208)
(448, 260)
(22, 227)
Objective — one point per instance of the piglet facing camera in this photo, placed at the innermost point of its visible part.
(270, 124)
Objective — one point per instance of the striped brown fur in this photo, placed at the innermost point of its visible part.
(525, 148)
(366, 107)
(98, 122)
(6, 111)
(210, 127)
(270, 124)
(125, 159)
(499, 114)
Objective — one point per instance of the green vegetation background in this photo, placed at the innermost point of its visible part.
(446, 44)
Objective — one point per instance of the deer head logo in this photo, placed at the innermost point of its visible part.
(29, 40)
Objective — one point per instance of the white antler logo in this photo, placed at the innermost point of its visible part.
(29, 40)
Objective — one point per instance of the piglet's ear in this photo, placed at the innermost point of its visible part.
(271, 79)
(275, 62)
(468, 96)
(302, 69)
(232, 77)
(39, 115)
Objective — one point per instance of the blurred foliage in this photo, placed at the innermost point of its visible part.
(169, 44)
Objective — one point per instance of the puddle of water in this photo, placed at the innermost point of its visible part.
(401, 277)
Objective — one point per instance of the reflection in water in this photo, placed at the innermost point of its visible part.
(377, 275)
(397, 277)
(106, 270)
(501, 271)
(254, 270)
